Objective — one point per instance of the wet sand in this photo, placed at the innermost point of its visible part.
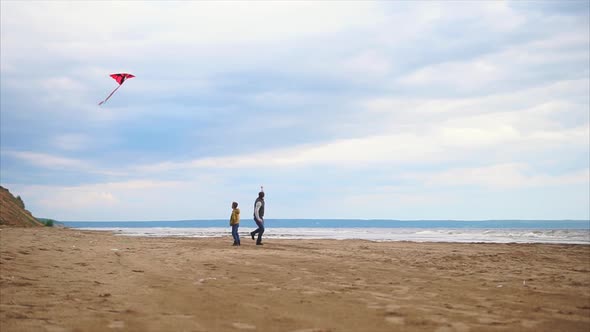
(68, 280)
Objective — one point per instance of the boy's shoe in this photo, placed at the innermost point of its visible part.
(259, 243)
(252, 235)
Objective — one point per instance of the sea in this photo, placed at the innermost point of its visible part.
(477, 231)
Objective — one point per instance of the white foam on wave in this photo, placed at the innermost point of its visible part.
(376, 234)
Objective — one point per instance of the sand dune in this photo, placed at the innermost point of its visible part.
(69, 280)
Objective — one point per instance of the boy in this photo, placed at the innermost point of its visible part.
(234, 222)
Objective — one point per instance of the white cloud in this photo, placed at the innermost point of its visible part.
(534, 108)
(126, 200)
(371, 63)
(509, 65)
(55, 162)
(501, 176)
(413, 131)
(111, 30)
(463, 75)
(65, 199)
(421, 19)
(45, 160)
(72, 142)
(435, 145)
(229, 56)
(63, 84)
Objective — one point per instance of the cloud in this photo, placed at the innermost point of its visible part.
(72, 142)
(371, 63)
(489, 71)
(446, 144)
(44, 160)
(100, 28)
(501, 176)
(298, 95)
(142, 199)
(540, 107)
(413, 131)
(469, 75)
(77, 199)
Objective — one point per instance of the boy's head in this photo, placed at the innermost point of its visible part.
(261, 194)
(234, 205)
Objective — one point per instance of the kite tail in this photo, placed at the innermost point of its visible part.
(104, 101)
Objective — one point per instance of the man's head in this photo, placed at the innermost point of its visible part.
(234, 205)
(261, 194)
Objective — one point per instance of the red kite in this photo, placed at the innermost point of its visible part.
(120, 78)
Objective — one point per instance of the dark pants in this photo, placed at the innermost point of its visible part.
(234, 233)
(259, 231)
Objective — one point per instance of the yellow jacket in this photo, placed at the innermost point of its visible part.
(235, 217)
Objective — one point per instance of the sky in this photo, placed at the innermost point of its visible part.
(463, 110)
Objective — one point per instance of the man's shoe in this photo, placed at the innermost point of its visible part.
(252, 235)
(259, 243)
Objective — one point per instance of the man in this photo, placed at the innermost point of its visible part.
(259, 218)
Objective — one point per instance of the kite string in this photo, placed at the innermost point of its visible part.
(104, 101)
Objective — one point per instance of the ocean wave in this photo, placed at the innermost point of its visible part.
(375, 234)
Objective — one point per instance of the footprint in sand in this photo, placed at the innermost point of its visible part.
(529, 324)
(244, 326)
(393, 315)
(491, 321)
(392, 308)
(54, 328)
(444, 329)
(455, 327)
(117, 325)
(395, 320)
(374, 306)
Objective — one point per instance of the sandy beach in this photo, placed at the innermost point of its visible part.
(55, 279)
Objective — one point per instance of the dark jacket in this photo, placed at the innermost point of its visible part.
(259, 209)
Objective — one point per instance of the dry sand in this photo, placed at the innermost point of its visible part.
(70, 280)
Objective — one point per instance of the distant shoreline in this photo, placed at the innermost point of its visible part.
(311, 230)
(342, 219)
